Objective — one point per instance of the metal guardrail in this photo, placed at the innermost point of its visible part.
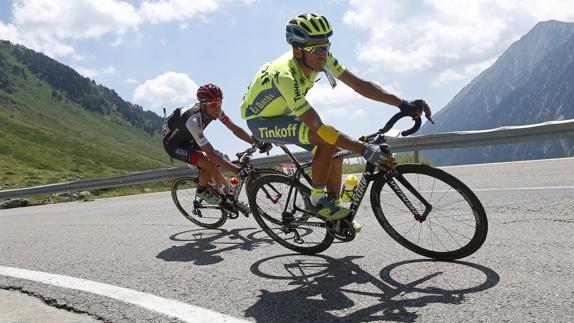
(459, 139)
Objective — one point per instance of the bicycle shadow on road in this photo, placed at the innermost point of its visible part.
(205, 246)
(335, 290)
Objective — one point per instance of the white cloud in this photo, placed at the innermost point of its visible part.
(340, 102)
(131, 81)
(41, 42)
(92, 73)
(447, 76)
(76, 19)
(468, 73)
(52, 26)
(415, 36)
(175, 10)
(110, 70)
(170, 89)
(117, 42)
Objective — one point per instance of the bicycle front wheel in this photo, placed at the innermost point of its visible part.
(455, 228)
(282, 216)
(195, 210)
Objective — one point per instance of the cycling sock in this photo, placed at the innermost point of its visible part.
(200, 188)
(317, 192)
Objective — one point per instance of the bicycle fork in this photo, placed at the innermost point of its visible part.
(395, 187)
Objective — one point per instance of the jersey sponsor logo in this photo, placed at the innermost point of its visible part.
(297, 92)
(262, 100)
(181, 152)
(301, 107)
(290, 131)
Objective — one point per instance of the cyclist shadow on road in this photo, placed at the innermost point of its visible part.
(334, 290)
(205, 246)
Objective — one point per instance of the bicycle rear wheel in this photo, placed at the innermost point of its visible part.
(195, 210)
(296, 229)
(455, 228)
(259, 172)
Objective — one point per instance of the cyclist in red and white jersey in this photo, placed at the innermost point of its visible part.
(183, 139)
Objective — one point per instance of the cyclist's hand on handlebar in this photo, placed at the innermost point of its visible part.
(374, 155)
(264, 147)
(415, 108)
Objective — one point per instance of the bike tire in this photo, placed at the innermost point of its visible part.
(456, 213)
(259, 172)
(183, 195)
(312, 231)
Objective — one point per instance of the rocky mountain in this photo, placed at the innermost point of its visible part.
(531, 82)
(56, 125)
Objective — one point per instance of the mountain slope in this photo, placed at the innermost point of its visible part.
(532, 82)
(56, 125)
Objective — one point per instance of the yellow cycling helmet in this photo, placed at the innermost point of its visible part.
(306, 27)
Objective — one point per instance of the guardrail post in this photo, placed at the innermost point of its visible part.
(416, 154)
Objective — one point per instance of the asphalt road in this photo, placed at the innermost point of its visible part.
(141, 244)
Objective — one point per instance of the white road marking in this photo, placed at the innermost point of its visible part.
(169, 307)
(510, 162)
(524, 188)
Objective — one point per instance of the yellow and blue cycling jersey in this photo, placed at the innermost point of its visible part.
(279, 88)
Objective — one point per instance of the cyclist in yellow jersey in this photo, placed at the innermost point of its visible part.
(276, 110)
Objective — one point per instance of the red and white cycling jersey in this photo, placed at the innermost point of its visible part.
(187, 125)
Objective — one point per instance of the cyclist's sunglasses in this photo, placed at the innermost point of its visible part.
(318, 49)
(213, 104)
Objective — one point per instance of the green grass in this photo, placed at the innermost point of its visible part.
(46, 140)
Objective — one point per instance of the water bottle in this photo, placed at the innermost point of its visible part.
(232, 184)
(349, 188)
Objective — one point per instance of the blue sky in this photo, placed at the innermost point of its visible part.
(155, 52)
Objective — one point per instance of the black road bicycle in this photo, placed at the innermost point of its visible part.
(423, 208)
(212, 216)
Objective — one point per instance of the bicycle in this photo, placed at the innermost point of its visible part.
(421, 207)
(212, 216)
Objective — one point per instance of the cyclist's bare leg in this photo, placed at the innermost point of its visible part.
(219, 179)
(335, 175)
(321, 163)
(207, 170)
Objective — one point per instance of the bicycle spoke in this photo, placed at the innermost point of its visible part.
(284, 217)
(455, 226)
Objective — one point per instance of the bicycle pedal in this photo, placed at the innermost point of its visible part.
(341, 230)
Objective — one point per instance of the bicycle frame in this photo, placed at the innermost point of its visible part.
(369, 175)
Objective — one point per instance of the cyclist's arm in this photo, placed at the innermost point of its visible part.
(215, 158)
(238, 131)
(313, 121)
(196, 131)
(369, 89)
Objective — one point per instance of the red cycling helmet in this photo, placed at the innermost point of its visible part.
(209, 92)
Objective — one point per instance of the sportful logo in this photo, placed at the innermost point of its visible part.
(265, 132)
(360, 189)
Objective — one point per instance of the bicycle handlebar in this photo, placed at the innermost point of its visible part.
(393, 120)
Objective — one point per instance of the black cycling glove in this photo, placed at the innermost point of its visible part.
(264, 146)
(410, 108)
